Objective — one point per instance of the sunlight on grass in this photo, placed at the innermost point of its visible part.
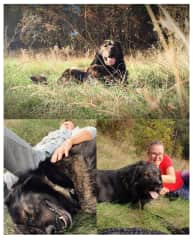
(150, 91)
(170, 51)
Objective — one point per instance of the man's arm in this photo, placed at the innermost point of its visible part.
(84, 135)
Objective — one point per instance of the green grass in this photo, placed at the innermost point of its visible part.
(150, 92)
(157, 215)
(8, 224)
(84, 223)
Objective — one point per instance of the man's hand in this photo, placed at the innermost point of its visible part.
(164, 190)
(63, 150)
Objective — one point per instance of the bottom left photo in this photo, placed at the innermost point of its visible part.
(49, 176)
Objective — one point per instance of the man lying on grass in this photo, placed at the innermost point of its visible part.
(20, 156)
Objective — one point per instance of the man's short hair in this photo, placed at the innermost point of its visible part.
(68, 120)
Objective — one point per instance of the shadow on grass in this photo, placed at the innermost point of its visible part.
(159, 215)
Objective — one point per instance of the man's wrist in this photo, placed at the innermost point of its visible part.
(68, 141)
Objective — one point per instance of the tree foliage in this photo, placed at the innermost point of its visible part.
(141, 132)
(146, 131)
(83, 27)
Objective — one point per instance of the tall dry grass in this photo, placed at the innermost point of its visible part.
(171, 49)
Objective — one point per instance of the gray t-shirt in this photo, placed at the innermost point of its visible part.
(56, 138)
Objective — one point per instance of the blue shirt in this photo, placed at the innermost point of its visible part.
(56, 138)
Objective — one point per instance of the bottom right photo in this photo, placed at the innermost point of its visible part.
(143, 176)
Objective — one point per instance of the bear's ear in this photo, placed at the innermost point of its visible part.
(141, 163)
(118, 44)
(120, 50)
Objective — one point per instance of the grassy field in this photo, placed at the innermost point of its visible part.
(157, 215)
(154, 88)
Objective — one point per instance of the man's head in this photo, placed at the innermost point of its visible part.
(67, 125)
(155, 152)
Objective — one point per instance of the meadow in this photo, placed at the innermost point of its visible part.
(160, 214)
(154, 90)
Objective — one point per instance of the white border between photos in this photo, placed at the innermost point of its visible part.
(133, 237)
(97, 2)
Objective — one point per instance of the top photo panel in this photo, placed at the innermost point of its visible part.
(96, 61)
